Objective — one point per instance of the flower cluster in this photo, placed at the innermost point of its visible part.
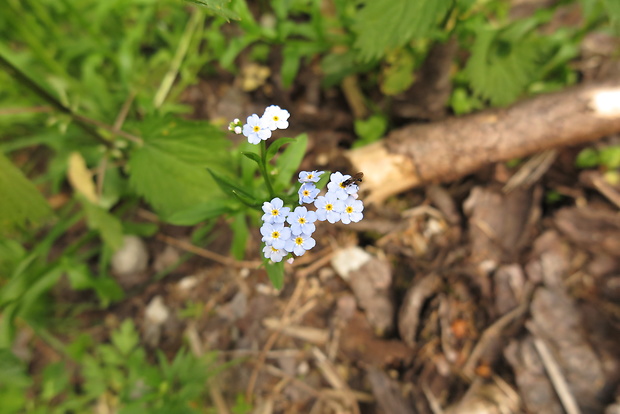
(340, 203)
(259, 129)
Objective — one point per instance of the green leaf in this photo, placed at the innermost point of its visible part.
(20, 202)
(398, 74)
(613, 10)
(218, 7)
(169, 170)
(290, 159)
(253, 156)
(200, 212)
(610, 157)
(369, 130)
(241, 234)
(125, 339)
(502, 64)
(276, 145)
(388, 24)
(587, 158)
(229, 187)
(108, 226)
(275, 271)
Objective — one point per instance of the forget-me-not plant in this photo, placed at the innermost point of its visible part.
(285, 230)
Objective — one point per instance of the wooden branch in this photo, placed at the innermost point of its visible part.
(425, 153)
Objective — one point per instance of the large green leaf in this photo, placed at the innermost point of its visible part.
(20, 202)
(502, 64)
(388, 24)
(170, 169)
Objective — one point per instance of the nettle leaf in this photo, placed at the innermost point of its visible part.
(388, 24)
(20, 201)
(170, 169)
(218, 7)
(501, 69)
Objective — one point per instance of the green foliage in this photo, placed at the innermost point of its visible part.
(20, 202)
(218, 7)
(370, 130)
(503, 63)
(119, 369)
(608, 157)
(169, 169)
(384, 25)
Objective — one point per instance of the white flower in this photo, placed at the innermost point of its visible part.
(276, 117)
(256, 129)
(274, 211)
(274, 254)
(352, 211)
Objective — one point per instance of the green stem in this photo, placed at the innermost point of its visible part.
(263, 169)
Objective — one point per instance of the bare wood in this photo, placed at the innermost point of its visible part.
(426, 153)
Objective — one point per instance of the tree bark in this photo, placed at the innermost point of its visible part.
(427, 153)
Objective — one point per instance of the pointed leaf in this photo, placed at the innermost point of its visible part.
(253, 156)
(20, 201)
(290, 159)
(108, 226)
(275, 271)
(276, 145)
(228, 186)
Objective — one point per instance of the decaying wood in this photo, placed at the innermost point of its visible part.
(423, 153)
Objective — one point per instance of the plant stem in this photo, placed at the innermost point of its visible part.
(263, 168)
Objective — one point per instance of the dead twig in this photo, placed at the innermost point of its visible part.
(225, 260)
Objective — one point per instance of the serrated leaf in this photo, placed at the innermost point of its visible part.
(218, 7)
(275, 271)
(290, 159)
(20, 202)
(500, 70)
(125, 339)
(108, 226)
(388, 24)
(169, 170)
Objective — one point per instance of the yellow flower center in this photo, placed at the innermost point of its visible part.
(302, 220)
(306, 192)
(342, 186)
(275, 234)
(275, 212)
(349, 209)
(273, 249)
(310, 176)
(256, 128)
(276, 118)
(329, 207)
(299, 240)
